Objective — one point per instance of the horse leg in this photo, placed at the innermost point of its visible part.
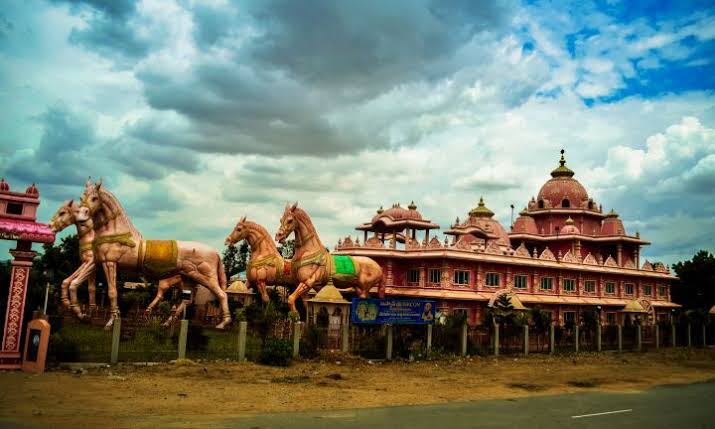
(92, 290)
(164, 285)
(110, 272)
(210, 282)
(262, 289)
(79, 277)
(302, 288)
(65, 288)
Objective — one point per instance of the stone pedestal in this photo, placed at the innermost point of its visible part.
(21, 264)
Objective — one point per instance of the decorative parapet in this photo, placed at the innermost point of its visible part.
(647, 266)
(547, 255)
(590, 260)
(610, 262)
(522, 251)
(569, 257)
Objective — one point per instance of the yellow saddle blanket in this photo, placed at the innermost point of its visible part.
(158, 258)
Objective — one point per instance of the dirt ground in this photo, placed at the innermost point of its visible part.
(197, 394)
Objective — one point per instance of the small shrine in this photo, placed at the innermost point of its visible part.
(18, 212)
(328, 308)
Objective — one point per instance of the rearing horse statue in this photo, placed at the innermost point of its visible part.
(65, 216)
(267, 266)
(313, 265)
(118, 244)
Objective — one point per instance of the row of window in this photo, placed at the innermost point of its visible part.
(461, 277)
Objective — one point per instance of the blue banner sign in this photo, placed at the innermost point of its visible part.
(392, 311)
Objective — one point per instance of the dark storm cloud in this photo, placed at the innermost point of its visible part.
(151, 162)
(63, 155)
(366, 46)
(108, 31)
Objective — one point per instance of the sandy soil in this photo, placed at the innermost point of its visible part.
(197, 394)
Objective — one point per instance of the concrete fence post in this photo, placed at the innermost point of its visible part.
(496, 339)
(463, 339)
(526, 339)
(296, 338)
(575, 337)
(429, 337)
(388, 349)
(705, 337)
(598, 337)
(345, 341)
(690, 339)
(242, 328)
(183, 336)
(116, 335)
(620, 338)
(639, 338)
(552, 338)
(657, 336)
(672, 334)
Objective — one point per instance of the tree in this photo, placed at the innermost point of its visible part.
(230, 261)
(287, 248)
(696, 288)
(503, 309)
(541, 321)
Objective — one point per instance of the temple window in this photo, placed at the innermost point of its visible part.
(520, 281)
(610, 287)
(492, 279)
(413, 275)
(629, 288)
(547, 283)
(611, 318)
(648, 290)
(570, 318)
(569, 285)
(461, 277)
(434, 275)
(566, 203)
(541, 204)
(590, 286)
(13, 208)
(661, 291)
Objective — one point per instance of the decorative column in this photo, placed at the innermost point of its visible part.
(619, 254)
(423, 276)
(21, 264)
(389, 275)
(446, 277)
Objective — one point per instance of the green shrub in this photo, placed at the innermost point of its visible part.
(372, 346)
(63, 350)
(276, 352)
(196, 339)
(311, 342)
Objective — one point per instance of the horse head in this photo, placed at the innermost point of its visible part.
(239, 233)
(63, 217)
(288, 222)
(91, 201)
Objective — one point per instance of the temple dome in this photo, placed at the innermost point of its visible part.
(562, 190)
(525, 224)
(569, 227)
(612, 225)
(483, 218)
(396, 212)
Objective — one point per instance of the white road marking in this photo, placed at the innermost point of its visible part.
(602, 414)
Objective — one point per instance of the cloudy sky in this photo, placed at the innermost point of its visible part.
(198, 112)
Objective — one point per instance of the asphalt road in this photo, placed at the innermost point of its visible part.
(684, 406)
(689, 406)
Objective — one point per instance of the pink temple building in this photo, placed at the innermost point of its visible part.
(562, 253)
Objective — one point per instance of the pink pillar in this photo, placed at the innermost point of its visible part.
(21, 264)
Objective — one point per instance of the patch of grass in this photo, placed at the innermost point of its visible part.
(291, 379)
(529, 387)
(584, 383)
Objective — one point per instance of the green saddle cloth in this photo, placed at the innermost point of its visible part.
(343, 267)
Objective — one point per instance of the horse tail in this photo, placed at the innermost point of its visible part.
(221, 274)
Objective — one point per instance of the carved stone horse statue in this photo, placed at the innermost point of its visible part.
(266, 266)
(118, 245)
(313, 265)
(65, 216)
